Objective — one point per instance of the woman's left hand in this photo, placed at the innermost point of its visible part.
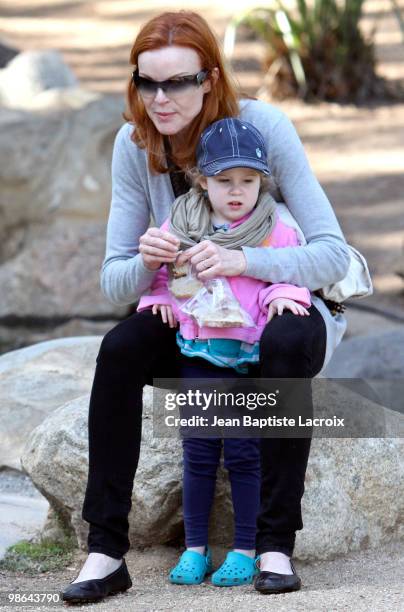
(211, 260)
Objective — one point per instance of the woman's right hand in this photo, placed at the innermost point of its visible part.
(158, 247)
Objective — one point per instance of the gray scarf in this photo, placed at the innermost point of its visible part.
(191, 222)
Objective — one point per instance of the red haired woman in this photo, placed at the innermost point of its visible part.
(179, 86)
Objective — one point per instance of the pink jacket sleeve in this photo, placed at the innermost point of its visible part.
(283, 290)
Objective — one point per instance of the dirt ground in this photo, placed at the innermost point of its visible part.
(358, 156)
(366, 581)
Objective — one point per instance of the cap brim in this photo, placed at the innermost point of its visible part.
(219, 166)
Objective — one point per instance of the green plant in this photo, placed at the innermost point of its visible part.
(33, 557)
(315, 50)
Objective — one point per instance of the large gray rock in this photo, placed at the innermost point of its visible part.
(34, 381)
(360, 322)
(378, 359)
(353, 487)
(352, 498)
(13, 337)
(54, 201)
(56, 273)
(55, 162)
(378, 356)
(30, 73)
(56, 459)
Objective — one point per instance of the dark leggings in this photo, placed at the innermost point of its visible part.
(141, 348)
(201, 460)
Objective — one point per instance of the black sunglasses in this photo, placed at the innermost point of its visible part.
(171, 86)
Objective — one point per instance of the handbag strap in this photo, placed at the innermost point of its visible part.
(333, 307)
(179, 180)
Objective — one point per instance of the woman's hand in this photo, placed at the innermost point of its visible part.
(278, 304)
(158, 247)
(167, 314)
(211, 260)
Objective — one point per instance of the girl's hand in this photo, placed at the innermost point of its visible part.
(211, 260)
(167, 314)
(158, 247)
(278, 304)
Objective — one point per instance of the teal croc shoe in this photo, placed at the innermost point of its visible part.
(191, 568)
(237, 569)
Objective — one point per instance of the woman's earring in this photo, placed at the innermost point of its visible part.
(205, 193)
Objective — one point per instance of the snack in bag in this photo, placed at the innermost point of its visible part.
(215, 305)
(182, 281)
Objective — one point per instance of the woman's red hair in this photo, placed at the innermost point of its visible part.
(183, 29)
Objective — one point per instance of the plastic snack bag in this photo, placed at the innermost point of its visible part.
(182, 281)
(214, 305)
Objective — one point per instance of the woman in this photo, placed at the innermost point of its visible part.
(179, 86)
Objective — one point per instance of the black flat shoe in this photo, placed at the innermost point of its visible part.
(97, 589)
(273, 583)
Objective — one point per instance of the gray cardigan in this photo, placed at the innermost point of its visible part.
(138, 195)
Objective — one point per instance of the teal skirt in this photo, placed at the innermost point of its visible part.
(222, 352)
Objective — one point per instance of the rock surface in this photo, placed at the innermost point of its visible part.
(56, 272)
(379, 355)
(57, 158)
(61, 442)
(363, 323)
(352, 484)
(54, 200)
(34, 381)
(378, 358)
(12, 337)
(30, 73)
(352, 498)
(56, 458)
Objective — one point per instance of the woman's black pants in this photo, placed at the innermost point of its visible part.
(141, 348)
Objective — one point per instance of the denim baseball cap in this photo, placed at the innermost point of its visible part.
(231, 143)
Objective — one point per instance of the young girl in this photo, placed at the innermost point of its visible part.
(230, 206)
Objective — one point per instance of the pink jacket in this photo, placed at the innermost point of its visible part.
(253, 295)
